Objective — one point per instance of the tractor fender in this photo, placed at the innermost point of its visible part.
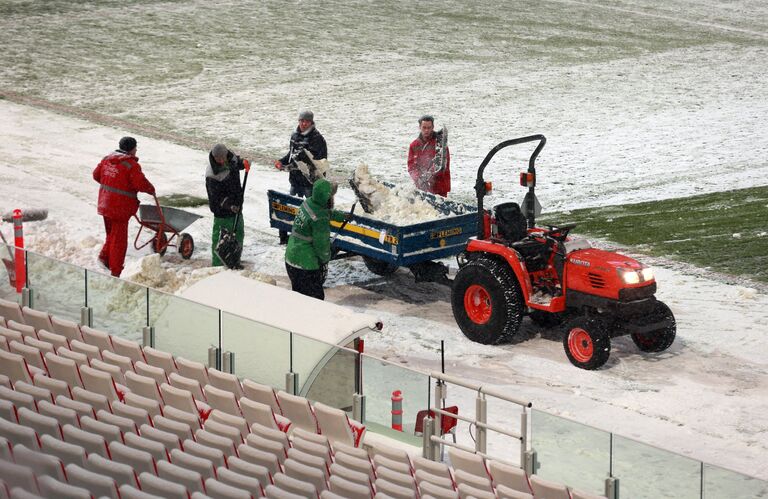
(510, 256)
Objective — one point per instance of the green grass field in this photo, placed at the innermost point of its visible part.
(725, 232)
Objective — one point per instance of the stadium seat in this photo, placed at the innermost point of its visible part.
(393, 490)
(188, 461)
(54, 339)
(225, 381)
(95, 400)
(153, 447)
(215, 456)
(63, 369)
(225, 445)
(249, 484)
(295, 486)
(350, 490)
(122, 474)
(66, 452)
(41, 424)
(98, 485)
(68, 329)
(14, 365)
(305, 473)
(223, 490)
(169, 440)
(190, 479)
(223, 430)
(126, 425)
(259, 457)
(19, 435)
(139, 460)
(190, 384)
(96, 338)
(336, 425)
(36, 319)
(192, 370)
(11, 311)
(38, 462)
(81, 408)
(160, 359)
(238, 423)
(509, 476)
(547, 488)
(92, 443)
(250, 469)
(152, 484)
(504, 492)
(50, 487)
(181, 430)
(127, 348)
(261, 393)
(258, 413)
(299, 411)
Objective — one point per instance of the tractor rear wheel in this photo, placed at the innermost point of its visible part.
(378, 267)
(587, 342)
(660, 339)
(486, 301)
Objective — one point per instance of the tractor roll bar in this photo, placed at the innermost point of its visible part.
(480, 182)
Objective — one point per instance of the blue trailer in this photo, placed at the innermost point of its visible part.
(385, 246)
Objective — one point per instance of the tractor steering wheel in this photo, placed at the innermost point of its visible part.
(559, 232)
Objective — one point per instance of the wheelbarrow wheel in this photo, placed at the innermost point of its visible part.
(186, 246)
(160, 243)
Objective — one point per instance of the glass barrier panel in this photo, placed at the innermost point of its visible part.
(720, 483)
(571, 453)
(7, 270)
(58, 287)
(326, 372)
(262, 352)
(673, 475)
(119, 307)
(380, 380)
(500, 413)
(183, 328)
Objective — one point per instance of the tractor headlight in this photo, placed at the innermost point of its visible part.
(629, 276)
(647, 274)
(632, 276)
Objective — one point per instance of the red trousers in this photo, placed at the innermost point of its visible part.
(113, 251)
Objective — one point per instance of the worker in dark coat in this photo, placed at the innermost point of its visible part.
(421, 160)
(225, 194)
(309, 246)
(306, 138)
(121, 179)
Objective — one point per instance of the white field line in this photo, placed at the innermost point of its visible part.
(723, 27)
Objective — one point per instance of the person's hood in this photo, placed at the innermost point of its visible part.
(321, 192)
(216, 171)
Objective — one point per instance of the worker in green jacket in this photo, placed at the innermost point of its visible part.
(309, 246)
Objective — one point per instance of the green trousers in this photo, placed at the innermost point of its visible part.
(227, 223)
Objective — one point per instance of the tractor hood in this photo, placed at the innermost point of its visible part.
(608, 274)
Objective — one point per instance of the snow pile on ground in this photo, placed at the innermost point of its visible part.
(153, 272)
(398, 205)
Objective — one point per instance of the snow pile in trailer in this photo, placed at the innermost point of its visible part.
(399, 205)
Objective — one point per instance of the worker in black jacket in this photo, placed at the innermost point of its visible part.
(225, 194)
(305, 139)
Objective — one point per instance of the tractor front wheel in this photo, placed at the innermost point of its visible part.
(660, 339)
(587, 342)
(486, 301)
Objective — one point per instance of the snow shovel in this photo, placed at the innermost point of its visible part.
(229, 248)
(365, 201)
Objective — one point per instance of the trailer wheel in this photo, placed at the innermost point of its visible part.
(486, 301)
(587, 342)
(378, 267)
(160, 243)
(186, 246)
(661, 339)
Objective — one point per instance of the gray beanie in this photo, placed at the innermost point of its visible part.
(307, 115)
(219, 151)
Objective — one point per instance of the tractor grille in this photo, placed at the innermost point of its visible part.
(632, 294)
(596, 280)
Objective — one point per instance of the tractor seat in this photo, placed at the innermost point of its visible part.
(510, 222)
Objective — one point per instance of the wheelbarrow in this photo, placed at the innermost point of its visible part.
(167, 223)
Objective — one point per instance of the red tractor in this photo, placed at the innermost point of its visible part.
(513, 269)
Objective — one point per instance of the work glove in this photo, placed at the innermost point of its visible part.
(348, 216)
(324, 271)
(279, 165)
(151, 191)
(247, 165)
(234, 208)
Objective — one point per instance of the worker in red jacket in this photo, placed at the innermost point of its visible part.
(421, 161)
(121, 179)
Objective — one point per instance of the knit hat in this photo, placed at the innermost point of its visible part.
(127, 144)
(219, 151)
(307, 115)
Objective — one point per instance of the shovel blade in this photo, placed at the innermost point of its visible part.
(229, 249)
